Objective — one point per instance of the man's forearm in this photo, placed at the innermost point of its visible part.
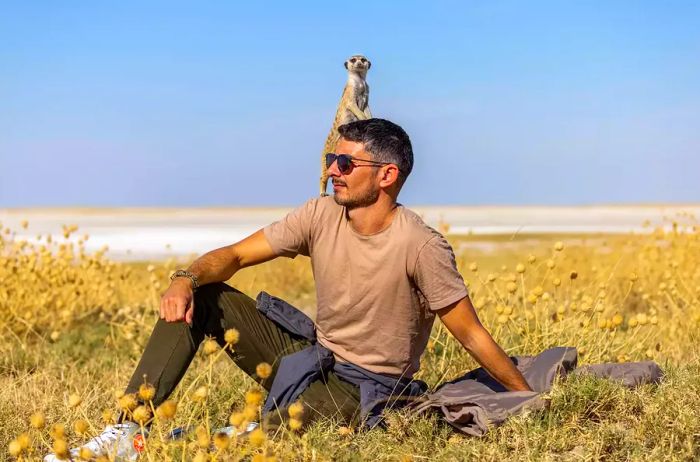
(487, 353)
(215, 266)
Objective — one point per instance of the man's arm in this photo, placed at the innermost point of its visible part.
(177, 302)
(461, 319)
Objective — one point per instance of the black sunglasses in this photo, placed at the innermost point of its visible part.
(347, 162)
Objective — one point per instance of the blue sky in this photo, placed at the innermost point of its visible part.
(227, 103)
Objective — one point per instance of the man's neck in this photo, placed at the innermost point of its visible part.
(373, 218)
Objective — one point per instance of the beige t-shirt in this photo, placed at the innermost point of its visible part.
(376, 293)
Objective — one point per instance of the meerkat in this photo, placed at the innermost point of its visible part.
(354, 105)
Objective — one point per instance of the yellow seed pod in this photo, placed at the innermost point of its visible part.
(200, 394)
(141, 414)
(147, 392)
(296, 410)
(85, 454)
(250, 412)
(257, 437)
(617, 319)
(654, 320)
(14, 448)
(561, 309)
(237, 419)
(499, 309)
(559, 246)
(602, 323)
(202, 437)
(508, 310)
(263, 370)
(642, 319)
(633, 277)
(108, 416)
(551, 264)
(221, 441)
(37, 420)
(556, 282)
(58, 431)
(511, 287)
(538, 291)
(520, 268)
(345, 431)
(74, 400)
(295, 424)
(210, 346)
(166, 410)
(253, 397)
(491, 277)
(231, 336)
(632, 322)
(60, 448)
(502, 319)
(25, 441)
(80, 427)
(128, 402)
(473, 267)
(200, 457)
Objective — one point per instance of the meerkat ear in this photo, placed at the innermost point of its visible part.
(345, 64)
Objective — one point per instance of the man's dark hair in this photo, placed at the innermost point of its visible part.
(384, 140)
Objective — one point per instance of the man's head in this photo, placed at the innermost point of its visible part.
(382, 160)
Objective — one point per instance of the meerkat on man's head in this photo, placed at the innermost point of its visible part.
(354, 105)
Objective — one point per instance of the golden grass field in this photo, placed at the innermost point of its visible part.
(74, 323)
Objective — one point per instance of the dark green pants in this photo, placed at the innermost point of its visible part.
(218, 307)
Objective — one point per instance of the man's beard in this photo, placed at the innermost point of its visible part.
(363, 199)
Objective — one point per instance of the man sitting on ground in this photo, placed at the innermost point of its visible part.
(381, 276)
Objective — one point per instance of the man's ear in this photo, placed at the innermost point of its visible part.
(390, 175)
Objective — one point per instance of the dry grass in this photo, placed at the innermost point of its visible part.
(74, 325)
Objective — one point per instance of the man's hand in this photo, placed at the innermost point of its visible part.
(461, 319)
(177, 303)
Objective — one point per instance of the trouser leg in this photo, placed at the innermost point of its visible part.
(219, 307)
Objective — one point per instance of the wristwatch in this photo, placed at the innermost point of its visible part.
(186, 274)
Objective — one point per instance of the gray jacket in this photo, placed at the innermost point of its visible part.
(475, 401)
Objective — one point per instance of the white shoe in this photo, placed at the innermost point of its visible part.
(122, 441)
(231, 431)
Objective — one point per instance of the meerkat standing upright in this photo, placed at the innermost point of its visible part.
(354, 105)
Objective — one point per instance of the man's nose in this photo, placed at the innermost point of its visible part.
(333, 170)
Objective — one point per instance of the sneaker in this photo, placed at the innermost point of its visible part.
(234, 431)
(181, 432)
(122, 441)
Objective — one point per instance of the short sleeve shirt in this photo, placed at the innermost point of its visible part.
(376, 293)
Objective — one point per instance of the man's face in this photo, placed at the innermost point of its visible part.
(360, 186)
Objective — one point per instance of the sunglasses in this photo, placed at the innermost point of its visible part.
(347, 162)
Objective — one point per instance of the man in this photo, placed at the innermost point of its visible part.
(381, 276)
